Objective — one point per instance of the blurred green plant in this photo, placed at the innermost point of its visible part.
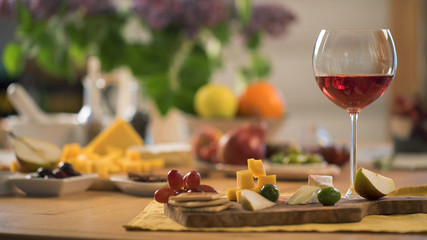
(172, 46)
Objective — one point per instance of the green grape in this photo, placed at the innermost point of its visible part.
(294, 159)
(314, 158)
(277, 157)
(293, 150)
(328, 196)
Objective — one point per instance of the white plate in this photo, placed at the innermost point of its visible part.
(50, 187)
(144, 189)
(285, 171)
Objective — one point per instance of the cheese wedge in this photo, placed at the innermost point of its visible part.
(120, 134)
(254, 201)
(304, 195)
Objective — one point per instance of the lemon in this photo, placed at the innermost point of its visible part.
(215, 101)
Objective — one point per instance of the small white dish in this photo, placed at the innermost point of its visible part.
(143, 189)
(6, 188)
(51, 187)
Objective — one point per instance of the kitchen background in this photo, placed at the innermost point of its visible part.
(292, 70)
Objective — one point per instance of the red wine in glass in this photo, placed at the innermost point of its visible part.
(353, 92)
(353, 68)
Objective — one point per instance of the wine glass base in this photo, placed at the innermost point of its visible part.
(351, 193)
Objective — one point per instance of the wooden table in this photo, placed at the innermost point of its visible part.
(101, 214)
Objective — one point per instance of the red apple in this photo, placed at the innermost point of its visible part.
(241, 143)
(205, 144)
(335, 154)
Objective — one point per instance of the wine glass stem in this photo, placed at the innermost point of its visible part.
(353, 153)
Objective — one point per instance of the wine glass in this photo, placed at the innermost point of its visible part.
(353, 68)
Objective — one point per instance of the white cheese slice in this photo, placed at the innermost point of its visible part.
(304, 195)
(320, 181)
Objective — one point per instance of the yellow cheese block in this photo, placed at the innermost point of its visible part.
(119, 134)
(231, 194)
(256, 167)
(70, 150)
(156, 163)
(269, 179)
(14, 166)
(245, 179)
(102, 168)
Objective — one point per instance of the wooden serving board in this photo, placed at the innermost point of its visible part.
(346, 210)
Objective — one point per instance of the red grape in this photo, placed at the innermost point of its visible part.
(162, 195)
(192, 180)
(195, 190)
(207, 188)
(175, 180)
(183, 190)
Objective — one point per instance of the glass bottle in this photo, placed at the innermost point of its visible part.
(90, 115)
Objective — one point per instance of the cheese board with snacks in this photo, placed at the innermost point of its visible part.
(256, 200)
(346, 210)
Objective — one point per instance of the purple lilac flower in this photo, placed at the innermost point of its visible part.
(190, 15)
(272, 19)
(7, 8)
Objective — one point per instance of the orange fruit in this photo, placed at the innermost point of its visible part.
(262, 99)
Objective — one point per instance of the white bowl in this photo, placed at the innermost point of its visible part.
(7, 188)
(51, 187)
(61, 129)
(143, 189)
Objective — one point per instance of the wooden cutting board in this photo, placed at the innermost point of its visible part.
(346, 210)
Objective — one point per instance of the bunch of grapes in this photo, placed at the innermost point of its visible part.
(189, 15)
(272, 19)
(413, 108)
(64, 170)
(180, 184)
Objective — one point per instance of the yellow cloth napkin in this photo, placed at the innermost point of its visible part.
(153, 218)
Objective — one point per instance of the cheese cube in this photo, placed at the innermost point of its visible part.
(119, 134)
(132, 166)
(101, 167)
(156, 163)
(320, 181)
(256, 167)
(245, 179)
(71, 150)
(133, 155)
(14, 166)
(231, 194)
(269, 179)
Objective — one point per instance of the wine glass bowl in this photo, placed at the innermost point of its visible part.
(354, 68)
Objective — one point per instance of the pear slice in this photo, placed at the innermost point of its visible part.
(32, 154)
(253, 201)
(304, 195)
(372, 185)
